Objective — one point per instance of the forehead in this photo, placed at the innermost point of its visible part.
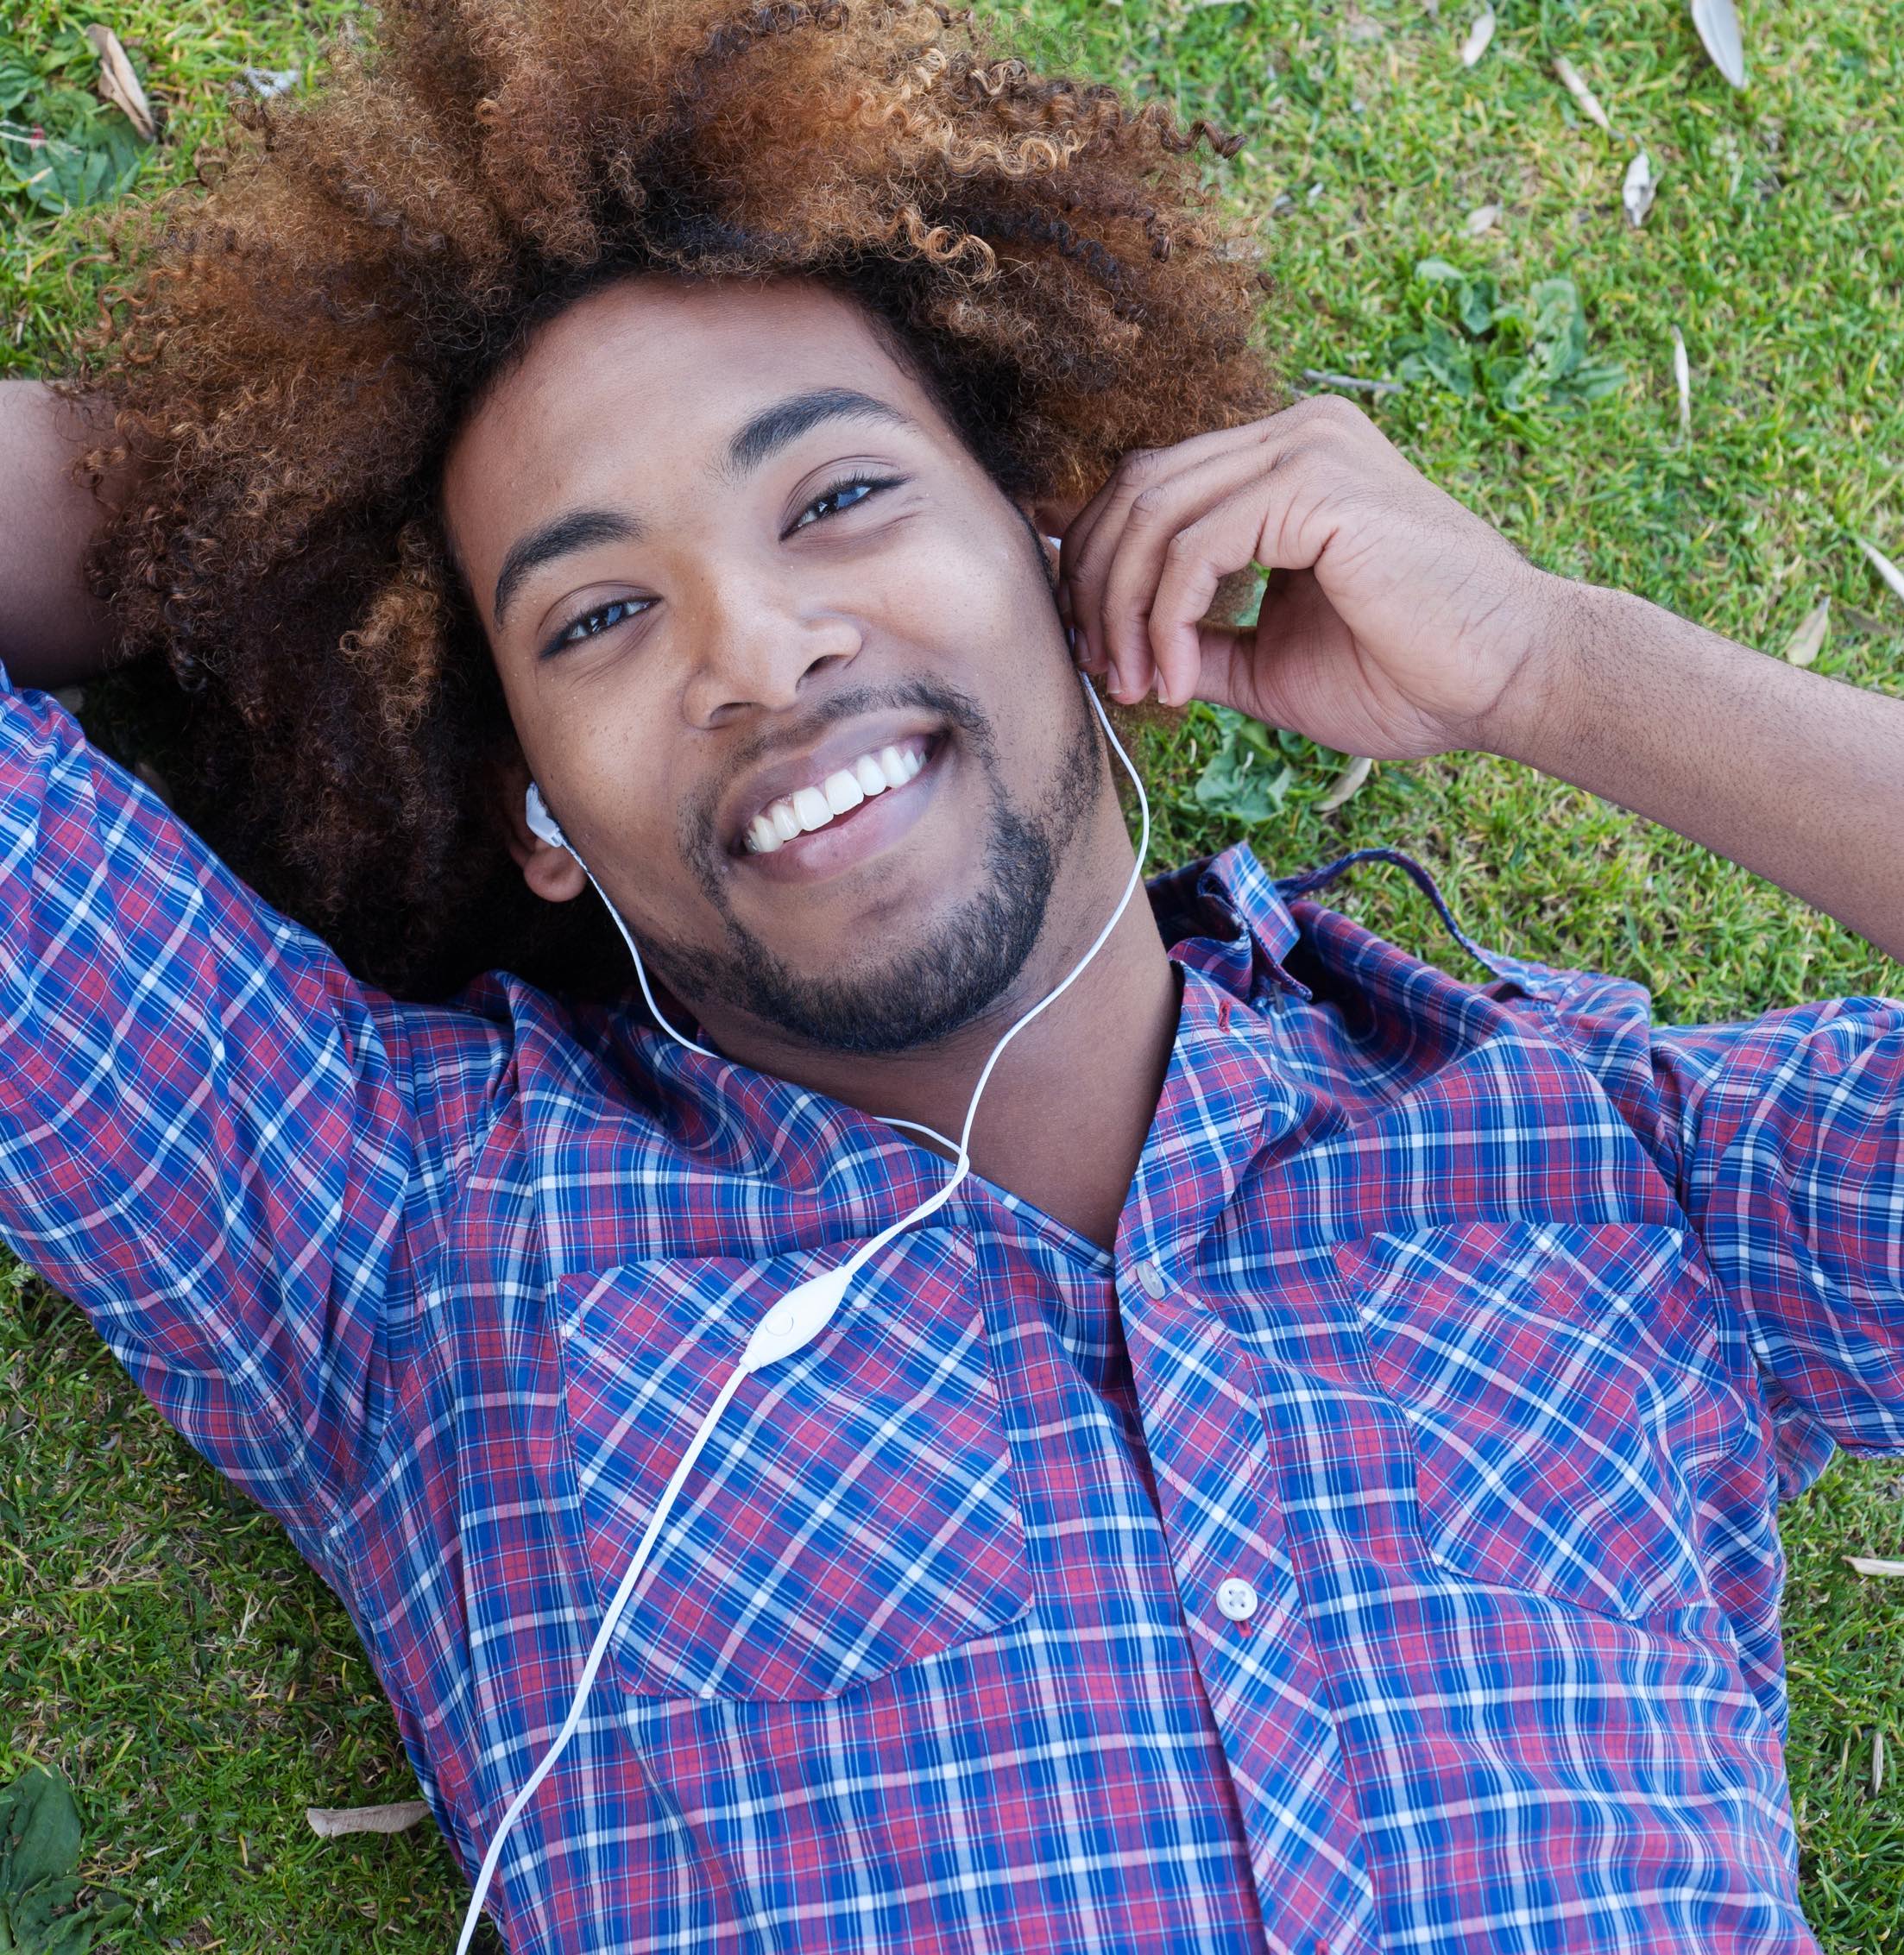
(679, 364)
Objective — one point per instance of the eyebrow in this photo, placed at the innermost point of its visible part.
(762, 436)
(773, 428)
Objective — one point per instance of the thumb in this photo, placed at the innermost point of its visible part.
(1224, 676)
(1240, 666)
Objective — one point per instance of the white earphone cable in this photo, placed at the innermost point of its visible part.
(798, 1317)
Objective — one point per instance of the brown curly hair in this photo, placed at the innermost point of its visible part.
(303, 329)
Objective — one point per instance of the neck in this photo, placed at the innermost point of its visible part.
(1067, 1109)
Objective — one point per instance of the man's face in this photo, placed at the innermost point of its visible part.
(784, 663)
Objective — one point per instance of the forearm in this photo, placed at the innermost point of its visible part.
(52, 633)
(1798, 778)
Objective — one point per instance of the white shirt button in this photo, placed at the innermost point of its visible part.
(1151, 1280)
(1236, 1599)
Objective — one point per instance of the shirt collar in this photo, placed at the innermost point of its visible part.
(1224, 915)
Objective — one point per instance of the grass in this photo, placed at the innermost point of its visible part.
(165, 1646)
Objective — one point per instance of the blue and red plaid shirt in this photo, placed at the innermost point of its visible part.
(1375, 1550)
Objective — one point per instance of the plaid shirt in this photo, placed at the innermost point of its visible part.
(1375, 1551)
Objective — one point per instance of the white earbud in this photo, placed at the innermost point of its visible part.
(542, 824)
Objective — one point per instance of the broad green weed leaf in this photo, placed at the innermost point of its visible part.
(1247, 778)
(1475, 300)
(39, 1830)
(17, 81)
(41, 1909)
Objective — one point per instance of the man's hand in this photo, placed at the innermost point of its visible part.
(1395, 625)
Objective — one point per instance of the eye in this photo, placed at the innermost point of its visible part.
(841, 490)
(592, 624)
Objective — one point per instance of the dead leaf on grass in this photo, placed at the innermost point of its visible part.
(1571, 81)
(1682, 379)
(1478, 36)
(119, 85)
(1883, 565)
(1867, 1565)
(1804, 644)
(331, 1822)
(1640, 188)
(1348, 783)
(1718, 23)
(1483, 218)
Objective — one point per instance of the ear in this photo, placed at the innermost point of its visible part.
(1037, 518)
(1053, 515)
(553, 874)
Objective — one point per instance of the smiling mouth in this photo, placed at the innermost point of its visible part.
(825, 803)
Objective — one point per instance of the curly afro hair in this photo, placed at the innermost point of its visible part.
(298, 334)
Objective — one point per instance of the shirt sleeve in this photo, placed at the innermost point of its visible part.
(236, 1159)
(1783, 1138)
(1788, 1136)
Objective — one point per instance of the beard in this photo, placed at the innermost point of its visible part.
(938, 987)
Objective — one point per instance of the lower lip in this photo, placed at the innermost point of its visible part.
(852, 838)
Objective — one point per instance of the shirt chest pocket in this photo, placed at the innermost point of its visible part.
(852, 1510)
(1563, 1395)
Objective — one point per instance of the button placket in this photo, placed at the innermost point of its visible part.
(1203, 1424)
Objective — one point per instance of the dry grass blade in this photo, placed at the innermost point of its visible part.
(1637, 192)
(330, 1822)
(1883, 565)
(1590, 103)
(1682, 379)
(1483, 217)
(1347, 784)
(1804, 644)
(1718, 23)
(1353, 382)
(119, 85)
(1866, 1565)
(1478, 36)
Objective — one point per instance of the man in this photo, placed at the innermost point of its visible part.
(1313, 1485)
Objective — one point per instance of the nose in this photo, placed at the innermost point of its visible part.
(758, 647)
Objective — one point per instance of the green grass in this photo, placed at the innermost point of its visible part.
(164, 1645)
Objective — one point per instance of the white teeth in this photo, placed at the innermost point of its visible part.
(810, 808)
(842, 791)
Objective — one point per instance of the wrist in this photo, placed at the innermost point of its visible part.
(1570, 632)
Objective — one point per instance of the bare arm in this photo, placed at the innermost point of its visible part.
(1798, 778)
(51, 633)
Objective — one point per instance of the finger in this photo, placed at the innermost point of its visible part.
(1136, 556)
(1082, 558)
(1071, 559)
